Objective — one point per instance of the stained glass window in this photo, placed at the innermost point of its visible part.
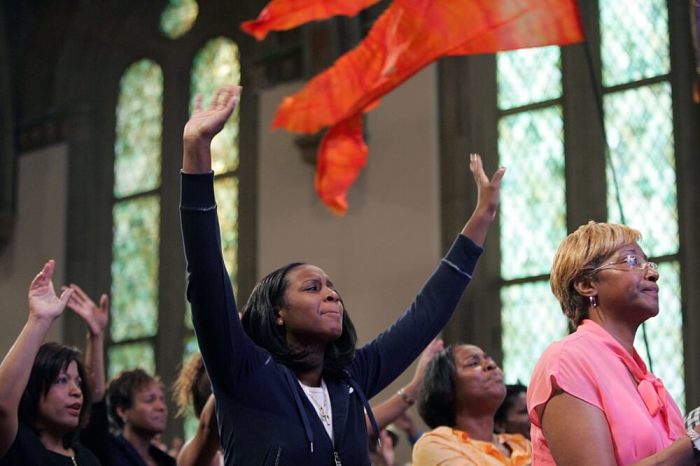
(178, 17)
(639, 124)
(130, 356)
(138, 132)
(531, 145)
(533, 211)
(531, 320)
(136, 218)
(216, 65)
(528, 76)
(135, 268)
(634, 40)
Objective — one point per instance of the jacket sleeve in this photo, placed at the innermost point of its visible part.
(226, 349)
(383, 359)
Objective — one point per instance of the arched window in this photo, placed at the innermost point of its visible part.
(136, 218)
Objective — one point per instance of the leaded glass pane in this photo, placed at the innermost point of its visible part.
(532, 320)
(527, 76)
(131, 356)
(533, 205)
(135, 268)
(634, 40)
(137, 143)
(226, 191)
(639, 124)
(216, 65)
(665, 334)
(178, 17)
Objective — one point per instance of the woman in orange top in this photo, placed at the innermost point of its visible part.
(462, 389)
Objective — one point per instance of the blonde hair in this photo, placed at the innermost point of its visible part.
(577, 256)
(192, 387)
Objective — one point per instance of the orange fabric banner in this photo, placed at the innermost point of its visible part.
(406, 38)
(280, 15)
(341, 157)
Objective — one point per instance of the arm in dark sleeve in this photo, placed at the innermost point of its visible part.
(383, 359)
(224, 345)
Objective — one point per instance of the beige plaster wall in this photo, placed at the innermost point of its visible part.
(39, 234)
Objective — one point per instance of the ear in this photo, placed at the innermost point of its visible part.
(121, 412)
(280, 315)
(586, 288)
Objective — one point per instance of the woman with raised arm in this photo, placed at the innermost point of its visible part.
(135, 402)
(44, 395)
(290, 386)
(591, 399)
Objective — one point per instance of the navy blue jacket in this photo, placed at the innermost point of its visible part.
(264, 416)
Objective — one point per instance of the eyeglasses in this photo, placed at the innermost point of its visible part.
(631, 262)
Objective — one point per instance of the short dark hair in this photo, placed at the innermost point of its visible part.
(511, 392)
(121, 391)
(51, 359)
(436, 398)
(259, 322)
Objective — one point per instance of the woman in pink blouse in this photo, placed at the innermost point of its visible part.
(591, 399)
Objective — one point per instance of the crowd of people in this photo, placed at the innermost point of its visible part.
(283, 382)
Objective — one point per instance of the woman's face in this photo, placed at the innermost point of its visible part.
(148, 411)
(312, 311)
(626, 290)
(478, 380)
(60, 407)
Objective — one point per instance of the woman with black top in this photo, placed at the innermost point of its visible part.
(44, 392)
(290, 386)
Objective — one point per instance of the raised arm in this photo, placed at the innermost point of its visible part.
(96, 319)
(487, 200)
(203, 125)
(388, 411)
(202, 449)
(564, 437)
(44, 308)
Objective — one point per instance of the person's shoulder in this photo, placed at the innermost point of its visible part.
(85, 456)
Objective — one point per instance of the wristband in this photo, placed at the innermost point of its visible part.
(406, 397)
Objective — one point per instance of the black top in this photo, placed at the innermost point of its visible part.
(27, 450)
(112, 448)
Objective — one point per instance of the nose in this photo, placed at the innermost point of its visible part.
(490, 364)
(75, 390)
(332, 295)
(160, 405)
(651, 274)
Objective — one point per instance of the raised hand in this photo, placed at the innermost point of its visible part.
(43, 302)
(488, 190)
(203, 125)
(95, 317)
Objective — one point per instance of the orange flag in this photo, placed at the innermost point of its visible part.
(341, 157)
(280, 15)
(409, 36)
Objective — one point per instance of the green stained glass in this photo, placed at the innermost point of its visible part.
(531, 319)
(216, 65)
(135, 268)
(639, 124)
(533, 204)
(528, 76)
(137, 145)
(191, 347)
(131, 356)
(634, 40)
(226, 190)
(178, 17)
(665, 334)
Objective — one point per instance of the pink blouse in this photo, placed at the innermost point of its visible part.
(594, 367)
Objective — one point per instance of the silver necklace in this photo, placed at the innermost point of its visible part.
(323, 408)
